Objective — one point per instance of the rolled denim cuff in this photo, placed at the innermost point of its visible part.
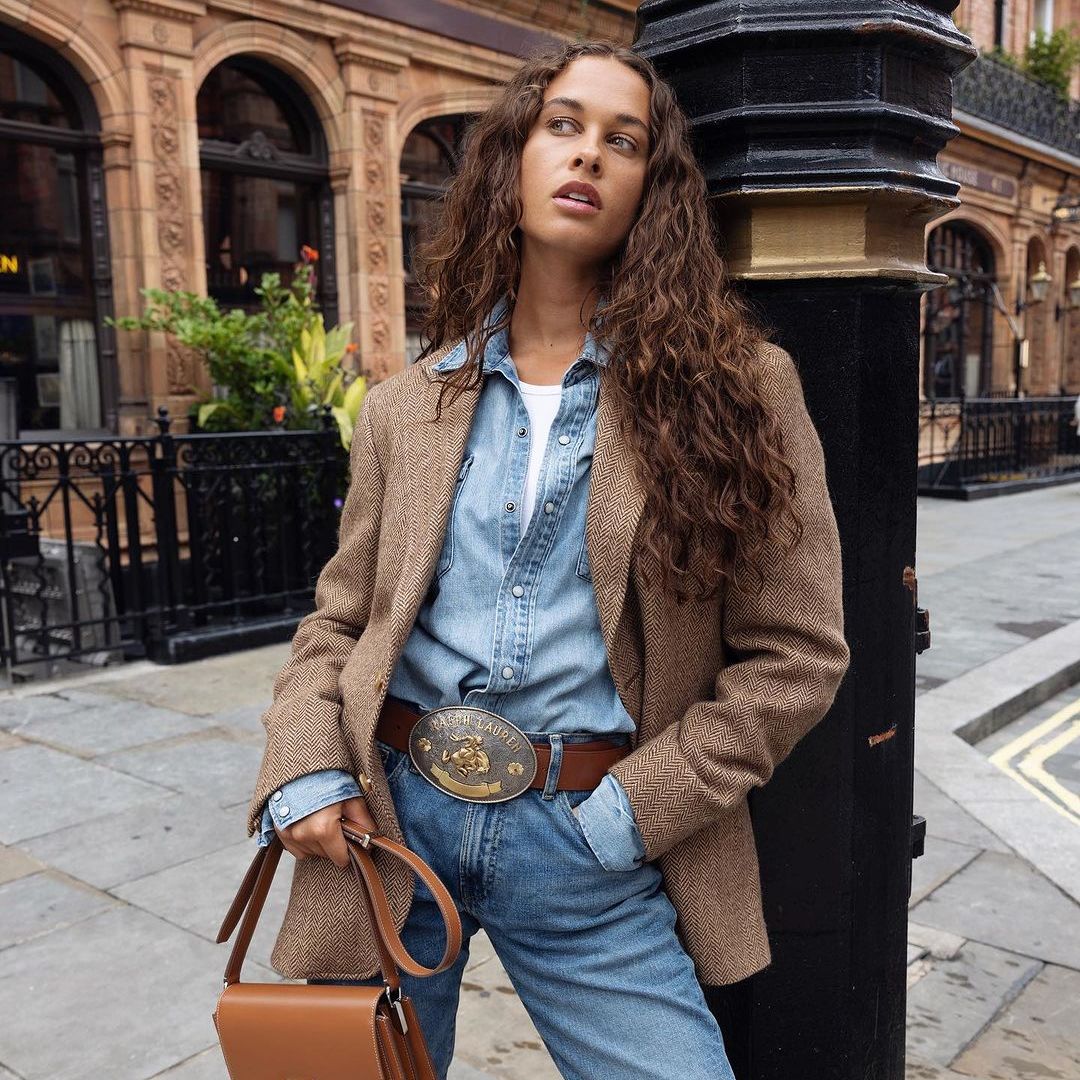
(303, 796)
(607, 820)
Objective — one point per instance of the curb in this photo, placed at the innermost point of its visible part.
(133, 669)
(950, 718)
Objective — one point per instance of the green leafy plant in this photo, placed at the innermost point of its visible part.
(1049, 58)
(1052, 58)
(276, 367)
(320, 378)
(1004, 57)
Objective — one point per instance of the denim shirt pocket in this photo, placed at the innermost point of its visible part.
(446, 558)
(583, 568)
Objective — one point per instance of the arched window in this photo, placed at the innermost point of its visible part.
(429, 160)
(57, 358)
(265, 183)
(959, 326)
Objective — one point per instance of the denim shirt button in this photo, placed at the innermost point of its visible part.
(523, 431)
(277, 795)
(510, 507)
(508, 672)
(517, 590)
(283, 811)
(549, 507)
(564, 439)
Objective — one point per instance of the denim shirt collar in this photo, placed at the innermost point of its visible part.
(498, 348)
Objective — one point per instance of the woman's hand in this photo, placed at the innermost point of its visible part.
(320, 833)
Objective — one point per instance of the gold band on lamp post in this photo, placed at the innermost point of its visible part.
(828, 232)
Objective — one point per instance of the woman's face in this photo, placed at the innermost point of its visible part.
(592, 128)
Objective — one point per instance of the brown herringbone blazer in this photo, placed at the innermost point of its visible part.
(709, 728)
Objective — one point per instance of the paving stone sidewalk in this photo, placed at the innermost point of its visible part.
(122, 804)
(994, 942)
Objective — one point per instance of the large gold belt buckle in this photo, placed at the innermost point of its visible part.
(472, 754)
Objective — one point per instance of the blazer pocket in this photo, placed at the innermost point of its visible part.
(446, 559)
(583, 568)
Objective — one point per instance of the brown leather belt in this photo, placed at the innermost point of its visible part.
(583, 763)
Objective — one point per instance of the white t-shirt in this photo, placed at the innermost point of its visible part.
(542, 403)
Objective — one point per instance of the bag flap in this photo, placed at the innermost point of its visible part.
(288, 1031)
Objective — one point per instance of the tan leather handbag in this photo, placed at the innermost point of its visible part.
(292, 1031)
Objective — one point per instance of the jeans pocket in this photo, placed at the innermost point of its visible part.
(567, 801)
(394, 761)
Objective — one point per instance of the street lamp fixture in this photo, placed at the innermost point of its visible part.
(1040, 284)
(1038, 287)
(1066, 209)
(1072, 292)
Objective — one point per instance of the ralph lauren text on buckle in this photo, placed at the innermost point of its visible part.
(472, 754)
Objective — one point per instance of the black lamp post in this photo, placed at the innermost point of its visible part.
(818, 123)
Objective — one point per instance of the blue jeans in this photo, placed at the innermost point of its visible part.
(592, 953)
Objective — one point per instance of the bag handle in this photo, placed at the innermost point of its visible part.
(255, 886)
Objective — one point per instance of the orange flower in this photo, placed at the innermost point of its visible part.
(309, 254)
(351, 347)
(279, 413)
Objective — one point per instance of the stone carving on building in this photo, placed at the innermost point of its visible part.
(378, 280)
(168, 191)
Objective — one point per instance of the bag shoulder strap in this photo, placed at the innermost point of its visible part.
(250, 897)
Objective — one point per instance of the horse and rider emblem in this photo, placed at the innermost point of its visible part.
(472, 754)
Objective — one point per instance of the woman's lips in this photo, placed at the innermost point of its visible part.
(576, 205)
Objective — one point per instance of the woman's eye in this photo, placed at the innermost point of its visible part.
(629, 143)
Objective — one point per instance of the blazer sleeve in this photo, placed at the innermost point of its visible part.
(787, 656)
(303, 729)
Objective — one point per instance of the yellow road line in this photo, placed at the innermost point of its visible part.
(1033, 766)
(1002, 759)
(1028, 738)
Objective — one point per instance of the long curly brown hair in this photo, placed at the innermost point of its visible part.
(685, 350)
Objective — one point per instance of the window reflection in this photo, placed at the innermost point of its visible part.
(265, 191)
(49, 372)
(429, 160)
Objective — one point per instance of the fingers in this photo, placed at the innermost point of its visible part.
(320, 834)
(335, 848)
(356, 809)
(290, 844)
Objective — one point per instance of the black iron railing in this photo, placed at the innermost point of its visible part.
(993, 91)
(977, 441)
(159, 545)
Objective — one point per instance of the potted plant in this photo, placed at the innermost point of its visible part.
(276, 367)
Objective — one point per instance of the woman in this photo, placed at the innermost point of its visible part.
(596, 520)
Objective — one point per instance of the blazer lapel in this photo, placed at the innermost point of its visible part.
(436, 451)
(616, 500)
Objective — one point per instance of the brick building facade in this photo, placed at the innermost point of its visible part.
(1018, 162)
(195, 144)
(198, 143)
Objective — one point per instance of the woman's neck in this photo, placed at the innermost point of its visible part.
(549, 325)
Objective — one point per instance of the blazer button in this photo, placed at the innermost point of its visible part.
(364, 781)
(380, 683)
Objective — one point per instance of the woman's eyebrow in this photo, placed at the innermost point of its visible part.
(572, 103)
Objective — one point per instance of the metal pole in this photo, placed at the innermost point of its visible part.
(818, 123)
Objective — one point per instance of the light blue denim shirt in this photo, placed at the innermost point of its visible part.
(524, 642)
